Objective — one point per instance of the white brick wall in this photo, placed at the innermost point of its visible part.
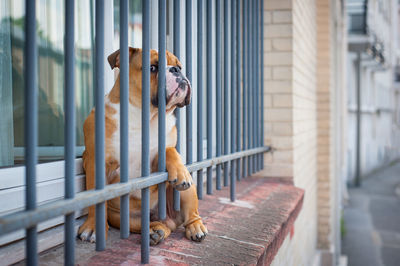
(290, 114)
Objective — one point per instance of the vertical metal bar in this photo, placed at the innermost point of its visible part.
(200, 96)
(226, 90)
(162, 64)
(262, 78)
(238, 88)
(100, 125)
(69, 128)
(124, 116)
(254, 60)
(189, 126)
(218, 103)
(145, 222)
(245, 86)
(209, 94)
(252, 83)
(177, 52)
(249, 88)
(31, 125)
(145, 211)
(257, 97)
(233, 97)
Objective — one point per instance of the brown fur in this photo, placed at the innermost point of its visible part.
(177, 172)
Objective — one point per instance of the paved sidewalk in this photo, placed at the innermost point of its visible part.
(372, 220)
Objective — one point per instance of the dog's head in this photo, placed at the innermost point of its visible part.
(178, 88)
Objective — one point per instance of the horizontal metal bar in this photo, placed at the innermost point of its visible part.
(225, 158)
(26, 219)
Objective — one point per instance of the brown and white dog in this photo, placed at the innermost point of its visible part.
(178, 94)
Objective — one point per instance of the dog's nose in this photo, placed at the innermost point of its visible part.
(174, 69)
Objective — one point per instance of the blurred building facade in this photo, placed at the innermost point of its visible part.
(313, 113)
(373, 98)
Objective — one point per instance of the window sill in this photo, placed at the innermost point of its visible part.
(249, 231)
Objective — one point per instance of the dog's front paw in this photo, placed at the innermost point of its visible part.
(87, 231)
(179, 176)
(156, 236)
(196, 231)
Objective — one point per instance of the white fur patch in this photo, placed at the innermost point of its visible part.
(135, 139)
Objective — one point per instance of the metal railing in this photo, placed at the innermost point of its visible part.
(242, 138)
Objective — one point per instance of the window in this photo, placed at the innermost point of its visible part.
(50, 34)
(50, 40)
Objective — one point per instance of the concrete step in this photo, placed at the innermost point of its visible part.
(248, 231)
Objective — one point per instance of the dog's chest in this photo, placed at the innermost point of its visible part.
(135, 139)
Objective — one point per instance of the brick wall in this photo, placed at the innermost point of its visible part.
(325, 119)
(278, 87)
(290, 114)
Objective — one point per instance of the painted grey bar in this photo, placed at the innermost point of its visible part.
(245, 87)
(225, 158)
(27, 219)
(256, 98)
(31, 125)
(145, 202)
(124, 116)
(189, 116)
(100, 124)
(209, 94)
(257, 95)
(254, 86)
(238, 88)
(200, 96)
(162, 63)
(249, 85)
(218, 99)
(69, 128)
(177, 53)
(226, 90)
(262, 76)
(233, 98)
(145, 229)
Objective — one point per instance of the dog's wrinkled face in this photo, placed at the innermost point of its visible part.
(178, 88)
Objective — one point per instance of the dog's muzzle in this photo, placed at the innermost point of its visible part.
(178, 87)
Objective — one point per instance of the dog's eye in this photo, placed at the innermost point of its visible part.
(153, 68)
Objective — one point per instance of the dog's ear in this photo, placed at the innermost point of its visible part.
(113, 59)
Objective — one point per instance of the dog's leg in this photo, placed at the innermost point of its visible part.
(178, 175)
(194, 227)
(87, 231)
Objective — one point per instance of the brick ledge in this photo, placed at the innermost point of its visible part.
(249, 232)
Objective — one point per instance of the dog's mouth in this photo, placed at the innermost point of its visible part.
(183, 88)
(178, 90)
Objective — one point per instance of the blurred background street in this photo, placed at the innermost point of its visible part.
(372, 220)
